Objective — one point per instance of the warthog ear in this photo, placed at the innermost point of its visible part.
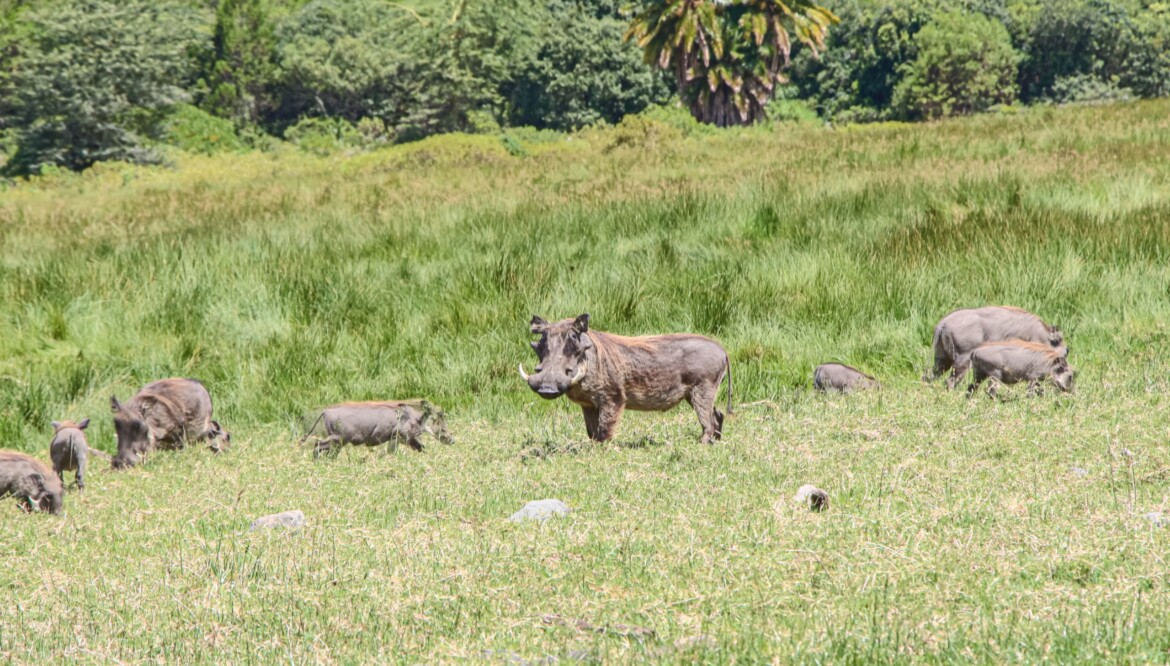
(581, 323)
(115, 406)
(537, 325)
(83, 425)
(55, 425)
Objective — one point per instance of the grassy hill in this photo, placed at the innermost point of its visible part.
(958, 530)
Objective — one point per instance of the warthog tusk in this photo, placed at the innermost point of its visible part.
(523, 374)
(579, 376)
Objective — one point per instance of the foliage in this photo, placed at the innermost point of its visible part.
(95, 78)
(964, 64)
(196, 131)
(862, 63)
(241, 78)
(323, 136)
(727, 57)
(582, 72)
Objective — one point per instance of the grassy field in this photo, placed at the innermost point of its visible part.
(959, 531)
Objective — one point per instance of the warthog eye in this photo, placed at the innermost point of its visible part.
(540, 368)
(568, 372)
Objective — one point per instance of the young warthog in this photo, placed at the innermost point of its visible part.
(30, 482)
(378, 422)
(606, 373)
(841, 378)
(70, 451)
(1015, 361)
(960, 332)
(165, 414)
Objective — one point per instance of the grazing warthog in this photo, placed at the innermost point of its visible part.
(166, 414)
(33, 484)
(70, 451)
(606, 373)
(841, 378)
(378, 422)
(960, 332)
(1015, 361)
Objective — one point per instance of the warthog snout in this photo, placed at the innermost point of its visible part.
(561, 355)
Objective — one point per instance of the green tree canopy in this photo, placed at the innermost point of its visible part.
(93, 79)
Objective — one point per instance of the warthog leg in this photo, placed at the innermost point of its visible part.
(962, 364)
(1035, 388)
(592, 417)
(609, 415)
(702, 398)
(326, 445)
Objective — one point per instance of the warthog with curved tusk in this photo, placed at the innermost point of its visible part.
(962, 331)
(606, 373)
(1016, 361)
(165, 414)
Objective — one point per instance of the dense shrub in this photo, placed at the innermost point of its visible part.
(196, 131)
(964, 64)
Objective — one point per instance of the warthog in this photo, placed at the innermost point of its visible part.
(606, 373)
(166, 414)
(1015, 361)
(27, 479)
(378, 422)
(841, 378)
(70, 451)
(960, 332)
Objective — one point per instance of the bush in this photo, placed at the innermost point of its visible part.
(965, 64)
(323, 136)
(95, 78)
(197, 131)
(1073, 40)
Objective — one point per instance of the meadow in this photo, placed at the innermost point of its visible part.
(959, 531)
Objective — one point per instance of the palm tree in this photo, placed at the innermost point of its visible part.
(727, 55)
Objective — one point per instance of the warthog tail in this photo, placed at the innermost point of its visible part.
(309, 430)
(100, 454)
(729, 386)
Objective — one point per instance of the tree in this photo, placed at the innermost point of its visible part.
(727, 56)
(965, 64)
(240, 77)
(94, 79)
(583, 71)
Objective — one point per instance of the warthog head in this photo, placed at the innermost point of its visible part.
(434, 421)
(561, 353)
(1062, 375)
(134, 436)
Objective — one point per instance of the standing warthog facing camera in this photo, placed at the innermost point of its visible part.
(378, 422)
(70, 451)
(166, 414)
(841, 378)
(962, 331)
(1015, 361)
(606, 373)
(27, 479)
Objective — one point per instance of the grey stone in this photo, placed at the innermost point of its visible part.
(540, 510)
(1079, 472)
(1158, 519)
(289, 519)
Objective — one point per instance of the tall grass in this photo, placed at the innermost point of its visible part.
(286, 282)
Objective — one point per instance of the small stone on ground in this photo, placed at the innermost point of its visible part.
(540, 510)
(289, 519)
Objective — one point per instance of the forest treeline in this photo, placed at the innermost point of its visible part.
(83, 81)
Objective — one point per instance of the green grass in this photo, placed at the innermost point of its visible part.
(957, 530)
